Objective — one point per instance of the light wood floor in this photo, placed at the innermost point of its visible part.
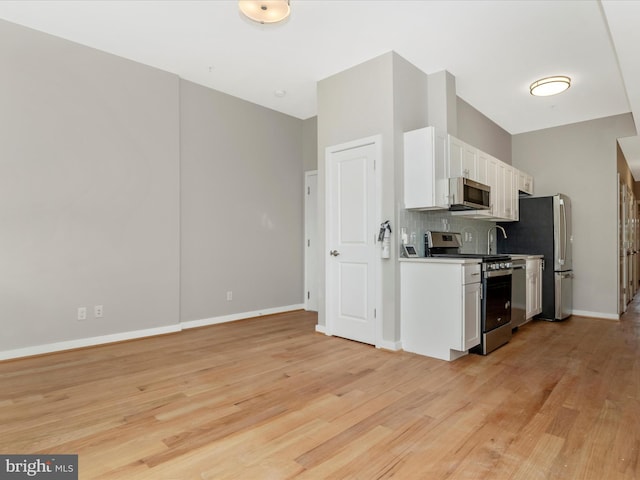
(269, 398)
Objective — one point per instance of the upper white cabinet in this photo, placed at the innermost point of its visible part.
(504, 182)
(426, 169)
(481, 167)
(510, 193)
(431, 157)
(525, 183)
(463, 159)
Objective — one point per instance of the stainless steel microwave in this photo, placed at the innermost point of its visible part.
(465, 194)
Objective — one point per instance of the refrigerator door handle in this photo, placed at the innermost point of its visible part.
(563, 234)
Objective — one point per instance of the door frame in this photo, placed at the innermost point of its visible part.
(376, 141)
(310, 217)
(621, 261)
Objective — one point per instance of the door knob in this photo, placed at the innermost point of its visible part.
(334, 253)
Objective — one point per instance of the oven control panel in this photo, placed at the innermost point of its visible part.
(495, 269)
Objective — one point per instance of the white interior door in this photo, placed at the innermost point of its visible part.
(311, 241)
(352, 228)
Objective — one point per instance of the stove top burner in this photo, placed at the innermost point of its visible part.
(447, 245)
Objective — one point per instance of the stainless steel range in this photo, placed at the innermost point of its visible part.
(496, 287)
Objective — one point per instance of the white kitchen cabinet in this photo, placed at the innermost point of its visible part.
(463, 159)
(499, 199)
(502, 178)
(440, 306)
(472, 312)
(431, 157)
(534, 287)
(525, 183)
(426, 169)
(510, 192)
(481, 167)
(504, 196)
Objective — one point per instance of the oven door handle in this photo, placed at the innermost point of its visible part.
(498, 273)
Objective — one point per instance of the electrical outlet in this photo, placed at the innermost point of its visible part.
(229, 296)
(82, 313)
(98, 311)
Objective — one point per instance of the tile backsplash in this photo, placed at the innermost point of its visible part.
(416, 223)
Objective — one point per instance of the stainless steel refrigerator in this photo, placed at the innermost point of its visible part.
(545, 228)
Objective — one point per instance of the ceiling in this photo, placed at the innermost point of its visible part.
(495, 49)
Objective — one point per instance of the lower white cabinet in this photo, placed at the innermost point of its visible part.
(440, 307)
(472, 311)
(534, 287)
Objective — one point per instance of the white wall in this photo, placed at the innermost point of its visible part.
(310, 144)
(579, 160)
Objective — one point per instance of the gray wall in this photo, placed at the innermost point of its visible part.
(388, 96)
(580, 160)
(123, 186)
(89, 191)
(476, 129)
(410, 111)
(354, 104)
(242, 205)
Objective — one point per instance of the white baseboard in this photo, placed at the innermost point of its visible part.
(149, 332)
(607, 316)
(393, 346)
(239, 316)
(385, 345)
(86, 342)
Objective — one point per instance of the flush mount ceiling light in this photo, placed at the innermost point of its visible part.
(550, 86)
(265, 11)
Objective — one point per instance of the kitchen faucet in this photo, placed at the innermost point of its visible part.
(489, 237)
